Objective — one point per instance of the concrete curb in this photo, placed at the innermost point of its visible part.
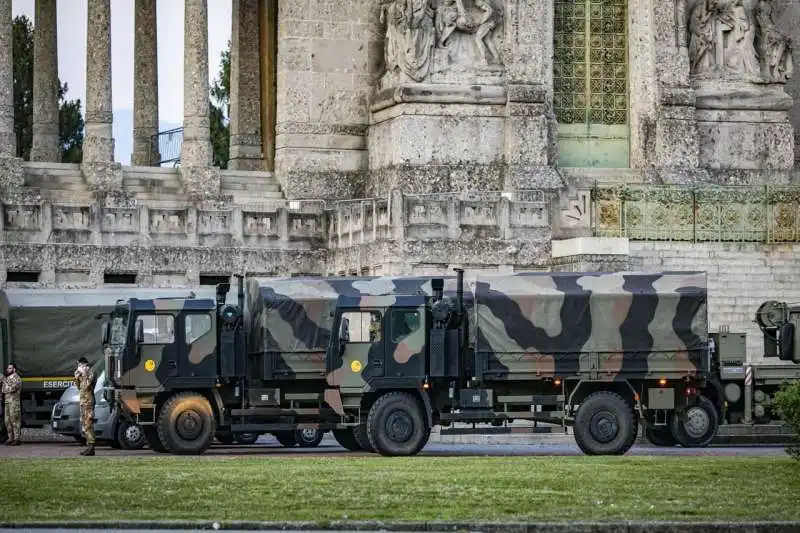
(488, 527)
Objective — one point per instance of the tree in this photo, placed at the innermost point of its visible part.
(787, 402)
(70, 119)
(219, 110)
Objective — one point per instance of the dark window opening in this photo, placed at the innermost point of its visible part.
(22, 277)
(127, 279)
(214, 280)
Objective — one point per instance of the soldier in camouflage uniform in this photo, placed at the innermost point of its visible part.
(84, 381)
(11, 389)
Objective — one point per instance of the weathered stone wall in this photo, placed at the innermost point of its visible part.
(327, 51)
(740, 277)
(787, 19)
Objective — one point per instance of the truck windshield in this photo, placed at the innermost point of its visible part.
(119, 328)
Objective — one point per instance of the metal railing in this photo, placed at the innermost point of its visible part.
(706, 213)
(165, 147)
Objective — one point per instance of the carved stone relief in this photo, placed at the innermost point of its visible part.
(426, 37)
(71, 218)
(737, 40)
(120, 220)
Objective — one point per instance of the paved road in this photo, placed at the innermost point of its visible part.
(267, 446)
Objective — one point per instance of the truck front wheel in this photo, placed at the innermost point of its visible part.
(396, 425)
(605, 424)
(186, 424)
(347, 440)
(697, 425)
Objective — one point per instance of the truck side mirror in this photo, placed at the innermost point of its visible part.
(139, 332)
(104, 332)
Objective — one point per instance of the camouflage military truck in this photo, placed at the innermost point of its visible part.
(45, 331)
(749, 388)
(380, 361)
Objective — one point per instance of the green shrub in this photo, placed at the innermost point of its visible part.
(787, 402)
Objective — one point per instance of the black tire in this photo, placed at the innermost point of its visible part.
(660, 436)
(3, 435)
(114, 443)
(225, 438)
(605, 424)
(697, 425)
(130, 436)
(305, 438)
(396, 425)
(153, 440)
(346, 439)
(246, 439)
(286, 438)
(361, 437)
(186, 424)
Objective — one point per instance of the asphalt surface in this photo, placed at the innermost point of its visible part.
(268, 446)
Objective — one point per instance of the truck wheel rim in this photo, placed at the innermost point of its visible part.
(189, 425)
(603, 426)
(399, 426)
(308, 434)
(696, 422)
(133, 434)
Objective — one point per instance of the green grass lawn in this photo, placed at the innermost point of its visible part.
(401, 489)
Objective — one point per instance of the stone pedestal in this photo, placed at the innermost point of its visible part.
(744, 126)
(437, 137)
(327, 54)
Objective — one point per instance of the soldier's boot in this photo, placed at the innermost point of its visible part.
(89, 450)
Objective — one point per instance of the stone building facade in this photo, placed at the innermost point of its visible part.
(413, 136)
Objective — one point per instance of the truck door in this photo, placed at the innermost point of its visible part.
(361, 335)
(157, 358)
(405, 344)
(198, 356)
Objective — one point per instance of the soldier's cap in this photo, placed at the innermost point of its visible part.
(83, 360)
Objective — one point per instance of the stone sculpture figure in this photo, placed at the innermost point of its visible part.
(737, 39)
(774, 48)
(410, 36)
(480, 21)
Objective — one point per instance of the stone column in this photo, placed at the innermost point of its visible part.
(98, 144)
(145, 84)
(530, 127)
(245, 153)
(8, 140)
(201, 181)
(196, 149)
(10, 166)
(45, 145)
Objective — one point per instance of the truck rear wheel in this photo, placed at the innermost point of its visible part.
(186, 424)
(308, 437)
(396, 425)
(605, 424)
(153, 440)
(286, 438)
(660, 436)
(347, 439)
(130, 436)
(360, 434)
(697, 425)
(246, 439)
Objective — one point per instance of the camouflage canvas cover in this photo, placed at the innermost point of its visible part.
(518, 313)
(49, 329)
(569, 313)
